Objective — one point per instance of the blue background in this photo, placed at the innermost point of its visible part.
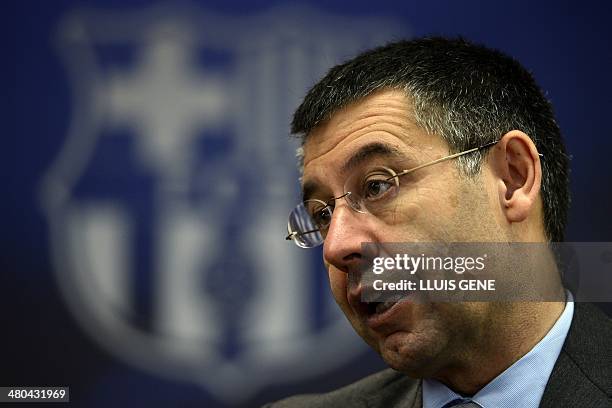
(565, 44)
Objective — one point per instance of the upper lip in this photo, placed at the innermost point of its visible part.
(366, 310)
(359, 288)
(354, 295)
(354, 299)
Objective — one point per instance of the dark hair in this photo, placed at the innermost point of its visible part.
(468, 94)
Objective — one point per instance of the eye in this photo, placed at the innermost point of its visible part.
(377, 186)
(320, 213)
(322, 217)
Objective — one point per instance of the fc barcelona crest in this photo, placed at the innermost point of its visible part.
(167, 202)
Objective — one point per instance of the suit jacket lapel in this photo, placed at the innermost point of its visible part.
(404, 393)
(584, 367)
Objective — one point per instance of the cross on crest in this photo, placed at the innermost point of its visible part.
(166, 100)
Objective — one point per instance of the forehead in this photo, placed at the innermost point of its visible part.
(385, 118)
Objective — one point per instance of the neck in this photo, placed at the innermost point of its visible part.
(514, 333)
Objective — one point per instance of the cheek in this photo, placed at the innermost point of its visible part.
(338, 285)
(416, 221)
(425, 201)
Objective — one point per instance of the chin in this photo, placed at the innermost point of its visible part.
(412, 355)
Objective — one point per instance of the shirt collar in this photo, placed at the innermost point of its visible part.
(522, 384)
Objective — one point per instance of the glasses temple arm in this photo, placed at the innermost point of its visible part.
(452, 156)
(294, 234)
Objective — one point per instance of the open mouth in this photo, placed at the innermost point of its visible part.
(384, 314)
(379, 309)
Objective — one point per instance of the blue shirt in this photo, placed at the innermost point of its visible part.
(520, 385)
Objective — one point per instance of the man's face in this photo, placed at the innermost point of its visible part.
(436, 204)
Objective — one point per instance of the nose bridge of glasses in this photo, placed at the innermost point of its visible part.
(344, 195)
(343, 218)
(352, 200)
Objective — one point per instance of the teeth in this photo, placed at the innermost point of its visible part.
(383, 307)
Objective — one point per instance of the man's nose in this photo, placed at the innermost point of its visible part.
(347, 231)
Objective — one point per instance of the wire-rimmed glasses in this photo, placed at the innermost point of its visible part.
(369, 191)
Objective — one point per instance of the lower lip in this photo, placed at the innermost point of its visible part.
(378, 321)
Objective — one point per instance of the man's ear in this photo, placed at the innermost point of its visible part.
(515, 163)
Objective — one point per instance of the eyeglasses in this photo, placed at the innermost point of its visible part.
(371, 190)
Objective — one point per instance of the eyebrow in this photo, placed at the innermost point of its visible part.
(368, 151)
(364, 153)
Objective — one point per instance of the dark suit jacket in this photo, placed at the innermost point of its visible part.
(581, 377)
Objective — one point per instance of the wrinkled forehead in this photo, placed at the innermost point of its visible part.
(380, 125)
(384, 110)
